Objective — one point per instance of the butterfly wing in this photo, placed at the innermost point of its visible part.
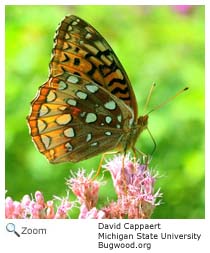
(73, 119)
(79, 49)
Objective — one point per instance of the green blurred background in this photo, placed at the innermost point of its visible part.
(162, 44)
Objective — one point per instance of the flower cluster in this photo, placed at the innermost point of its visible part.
(36, 208)
(133, 183)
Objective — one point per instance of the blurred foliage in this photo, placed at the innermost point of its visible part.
(155, 44)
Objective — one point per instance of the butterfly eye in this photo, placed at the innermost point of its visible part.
(142, 120)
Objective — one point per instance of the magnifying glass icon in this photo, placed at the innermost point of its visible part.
(10, 227)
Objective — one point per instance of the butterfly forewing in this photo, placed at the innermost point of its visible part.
(79, 49)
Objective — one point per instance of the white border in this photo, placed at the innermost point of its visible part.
(107, 2)
(78, 235)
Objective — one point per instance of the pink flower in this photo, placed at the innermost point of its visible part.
(50, 213)
(183, 9)
(91, 214)
(134, 185)
(26, 200)
(9, 208)
(85, 189)
(13, 209)
(63, 208)
(36, 208)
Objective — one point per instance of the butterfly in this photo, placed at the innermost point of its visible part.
(87, 106)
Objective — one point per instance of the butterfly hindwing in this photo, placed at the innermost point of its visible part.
(73, 119)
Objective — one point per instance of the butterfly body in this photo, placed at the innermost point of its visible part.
(87, 106)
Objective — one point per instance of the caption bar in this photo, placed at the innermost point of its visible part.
(136, 235)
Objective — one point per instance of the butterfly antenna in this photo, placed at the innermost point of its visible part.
(149, 97)
(168, 100)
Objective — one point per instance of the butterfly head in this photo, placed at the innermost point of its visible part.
(142, 122)
(138, 129)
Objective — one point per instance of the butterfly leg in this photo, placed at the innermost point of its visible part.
(101, 161)
(153, 140)
(135, 151)
(140, 153)
(123, 173)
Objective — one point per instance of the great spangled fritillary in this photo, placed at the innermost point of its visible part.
(87, 106)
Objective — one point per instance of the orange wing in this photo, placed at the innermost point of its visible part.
(79, 49)
(73, 119)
